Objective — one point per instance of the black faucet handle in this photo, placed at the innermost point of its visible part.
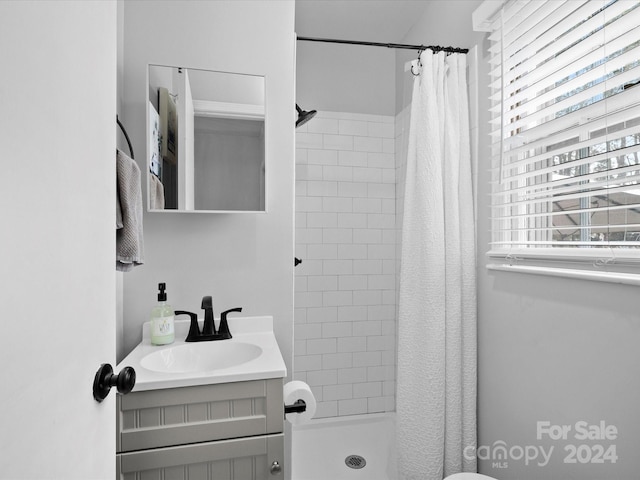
(194, 329)
(223, 315)
(223, 330)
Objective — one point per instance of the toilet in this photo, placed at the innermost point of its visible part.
(468, 476)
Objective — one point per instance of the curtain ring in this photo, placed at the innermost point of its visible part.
(422, 49)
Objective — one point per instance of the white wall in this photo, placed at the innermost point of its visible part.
(345, 78)
(446, 23)
(241, 260)
(549, 349)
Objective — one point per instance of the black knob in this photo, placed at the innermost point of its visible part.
(296, 261)
(105, 379)
(124, 381)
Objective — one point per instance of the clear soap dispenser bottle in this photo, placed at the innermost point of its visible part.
(162, 320)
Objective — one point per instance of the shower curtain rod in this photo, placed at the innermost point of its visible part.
(435, 48)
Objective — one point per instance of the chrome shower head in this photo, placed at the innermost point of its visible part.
(303, 116)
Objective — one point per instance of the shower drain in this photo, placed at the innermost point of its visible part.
(355, 461)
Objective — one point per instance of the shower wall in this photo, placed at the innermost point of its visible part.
(345, 288)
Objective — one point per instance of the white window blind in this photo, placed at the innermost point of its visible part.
(565, 132)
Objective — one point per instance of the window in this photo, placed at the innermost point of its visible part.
(565, 134)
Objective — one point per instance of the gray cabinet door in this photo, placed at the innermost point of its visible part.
(238, 459)
(187, 415)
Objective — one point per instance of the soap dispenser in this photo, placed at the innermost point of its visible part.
(162, 320)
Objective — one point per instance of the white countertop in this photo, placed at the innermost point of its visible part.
(256, 330)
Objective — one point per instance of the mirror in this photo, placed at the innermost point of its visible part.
(206, 141)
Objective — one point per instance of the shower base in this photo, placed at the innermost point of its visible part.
(334, 448)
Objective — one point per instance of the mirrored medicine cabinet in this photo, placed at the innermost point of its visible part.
(206, 141)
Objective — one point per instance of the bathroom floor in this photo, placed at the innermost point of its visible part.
(321, 447)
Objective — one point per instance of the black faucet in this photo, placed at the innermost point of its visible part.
(208, 329)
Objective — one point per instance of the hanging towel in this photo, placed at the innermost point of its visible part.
(129, 238)
(156, 193)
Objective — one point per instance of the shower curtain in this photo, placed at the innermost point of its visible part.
(436, 382)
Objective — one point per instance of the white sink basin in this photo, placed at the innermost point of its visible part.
(252, 354)
(200, 357)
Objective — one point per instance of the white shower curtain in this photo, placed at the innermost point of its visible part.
(436, 382)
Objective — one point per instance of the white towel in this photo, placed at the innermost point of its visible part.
(129, 238)
(156, 193)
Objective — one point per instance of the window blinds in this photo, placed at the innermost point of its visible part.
(565, 128)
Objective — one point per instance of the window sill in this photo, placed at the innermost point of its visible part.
(609, 277)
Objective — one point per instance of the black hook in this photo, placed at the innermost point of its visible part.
(420, 50)
(126, 136)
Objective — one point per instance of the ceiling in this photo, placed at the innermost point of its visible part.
(386, 21)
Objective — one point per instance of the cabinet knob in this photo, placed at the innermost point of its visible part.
(276, 468)
(105, 379)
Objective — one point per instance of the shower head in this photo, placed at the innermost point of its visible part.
(304, 117)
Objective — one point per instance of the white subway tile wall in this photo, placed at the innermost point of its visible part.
(345, 288)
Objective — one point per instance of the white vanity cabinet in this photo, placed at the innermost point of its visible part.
(219, 431)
